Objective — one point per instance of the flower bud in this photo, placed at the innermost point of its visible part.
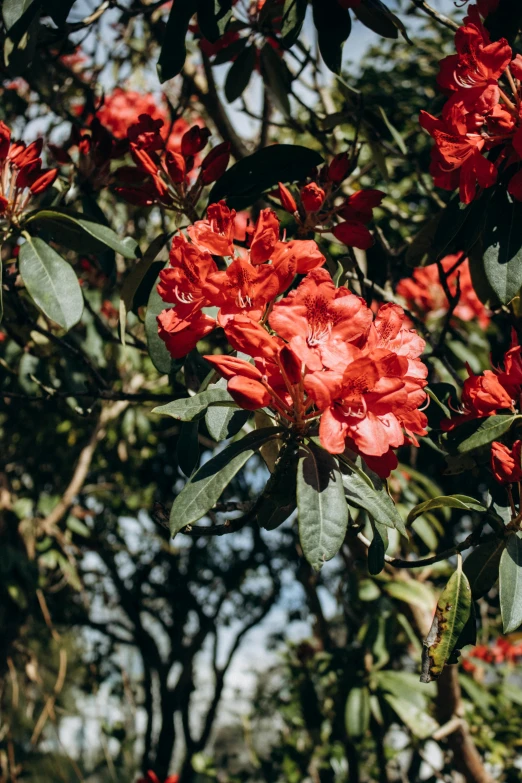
(248, 393)
(175, 164)
(194, 140)
(286, 199)
(215, 163)
(312, 197)
(339, 168)
(506, 463)
(290, 364)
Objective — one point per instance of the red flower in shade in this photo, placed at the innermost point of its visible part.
(250, 281)
(312, 197)
(423, 292)
(21, 174)
(506, 463)
(151, 777)
(357, 211)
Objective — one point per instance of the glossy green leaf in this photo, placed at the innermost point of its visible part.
(101, 234)
(375, 501)
(135, 277)
(413, 593)
(482, 566)
(158, 352)
(377, 549)
(321, 505)
(377, 17)
(213, 17)
(239, 73)
(244, 182)
(279, 500)
(502, 242)
(224, 422)
(173, 50)
(510, 583)
(205, 487)
(418, 721)
(187, 449)
(189, 408)
(445, 501)
(481, 432)
(13, 10)
(333, 24)
(294, 12)
(451, 615)
(357, 712)
(51, 282)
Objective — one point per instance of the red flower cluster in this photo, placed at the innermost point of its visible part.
(91, 153)
(487, 394)
(121, 107)
(21, 174)
(319, 205)
(479, 114)
(319, 356)
(501, 651)
(424, 294)
(253, 278)
(506, 463)
(163, 176)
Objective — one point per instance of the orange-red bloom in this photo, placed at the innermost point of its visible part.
(506, 463)
(21, 174)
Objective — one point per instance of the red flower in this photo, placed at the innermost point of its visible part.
(151, 777)
(482, 395)
(506, 463)
(286, 198)
(357, 211)
(339, 168)
(424, 293)
(312, 197)
(21, 174)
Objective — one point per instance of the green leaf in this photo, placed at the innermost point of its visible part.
(510, 583)
(333, 24)
(239, 73)
(451, 615)
(101, 234)
(213, 17)
(502, 242)
(51, 282)
(357, 712)
(224, 422)
(396, 136)
(445, 501)
(321, 505)
(413, 593)
(400, 682)
(134, 279)
(1, 287)
(59, 10)
(244, 182)
(158, 352)
(482, 567)
(278, 500)
(189, 408)
(187, 449)
(482, 431)
(417, 720)
(277, 77)
(375, 501)
(173, 51)
(294, 12)
(377, 17)
(13, 10)
(377, 549)
(205, 487)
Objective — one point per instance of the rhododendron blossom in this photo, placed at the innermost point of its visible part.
(21, 174)
(423, 291)
(482, 111)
